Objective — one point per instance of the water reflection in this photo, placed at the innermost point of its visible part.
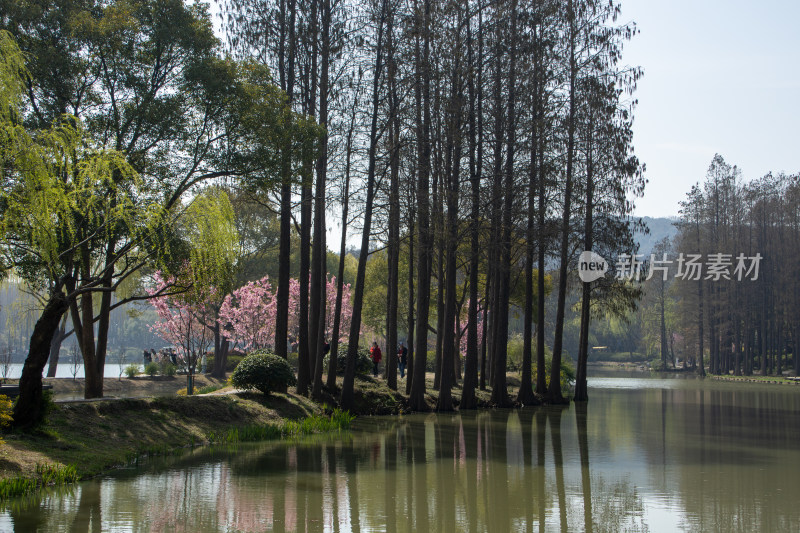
(634, 460)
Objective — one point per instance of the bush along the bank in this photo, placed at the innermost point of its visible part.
(132, 371)
(363, 362)
(263, 371)
(151, 369)
(231, 362)
(6, 410)
(165, 368)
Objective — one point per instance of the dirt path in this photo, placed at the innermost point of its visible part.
(65, 389)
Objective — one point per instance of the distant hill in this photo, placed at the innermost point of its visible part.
(659, 228)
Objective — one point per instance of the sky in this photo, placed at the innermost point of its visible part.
(719, 77)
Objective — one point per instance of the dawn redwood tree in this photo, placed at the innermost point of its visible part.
(422, 117)
(393, 244)
(358, 298)
(474, 92)
(337, 323)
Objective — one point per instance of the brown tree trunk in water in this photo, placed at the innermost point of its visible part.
(499, 386)
(29, 409)
(581, 388)
(468, 400)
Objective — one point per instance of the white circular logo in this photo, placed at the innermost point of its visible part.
(591, 266)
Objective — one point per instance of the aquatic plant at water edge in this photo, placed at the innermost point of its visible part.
(46, 475)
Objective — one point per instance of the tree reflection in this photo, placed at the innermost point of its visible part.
(504, 470)
(554, 420)
(586, 480)
(88, 517)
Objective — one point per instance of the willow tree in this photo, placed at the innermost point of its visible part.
(59, 192)
(145, 79)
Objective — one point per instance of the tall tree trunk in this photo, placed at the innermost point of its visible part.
(55, 348)
(303, 338)
(282, 294)
(410, 339)
(320, 253)
(394, 214)
(343, 246)
(29, 408)
(525, 394)
(499, 388)
(541, 370)
(581, 389)
(308, 323)
(416, 398)
(554, 391)
(450, 192)
(347, 397)
(468, 400)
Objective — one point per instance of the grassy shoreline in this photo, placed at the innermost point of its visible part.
(81, 440)
(775, 380)
(87, 438)
(96, 436)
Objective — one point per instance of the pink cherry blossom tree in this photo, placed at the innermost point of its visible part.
(248, 315)
(184, 312)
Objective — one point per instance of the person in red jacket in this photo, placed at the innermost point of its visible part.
(376, 356)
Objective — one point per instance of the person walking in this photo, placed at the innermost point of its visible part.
(376, 356)
(402, 358)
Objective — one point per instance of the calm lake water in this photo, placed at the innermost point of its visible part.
(65, 370)
(644, 455)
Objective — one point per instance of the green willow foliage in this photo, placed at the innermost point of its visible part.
(59, 190)
(211, 231)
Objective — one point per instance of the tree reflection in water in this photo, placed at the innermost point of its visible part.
(599, 467)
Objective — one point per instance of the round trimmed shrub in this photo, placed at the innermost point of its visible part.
(263, 371)
(363, 362)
